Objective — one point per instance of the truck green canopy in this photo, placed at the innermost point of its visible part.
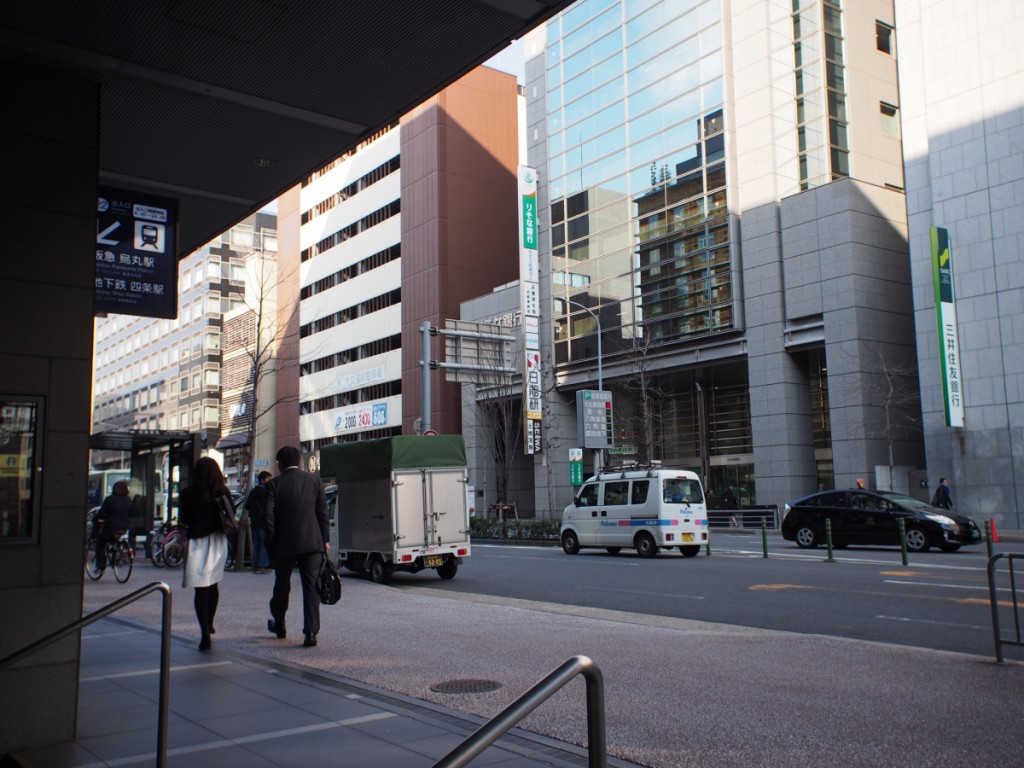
(375, 459)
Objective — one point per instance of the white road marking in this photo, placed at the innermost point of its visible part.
(222, 743)
(155, 671)
(926, 621)
(943, 586)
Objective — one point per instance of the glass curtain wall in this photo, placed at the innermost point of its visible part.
(819, 67)
(636, 174)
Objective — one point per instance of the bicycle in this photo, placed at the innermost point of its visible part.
(160, 537)
(173, 546)
(119, 555)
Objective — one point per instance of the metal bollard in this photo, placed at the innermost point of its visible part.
(707, 548)
(988, 539)
(764, 537)
(828, 540)
(903, 541)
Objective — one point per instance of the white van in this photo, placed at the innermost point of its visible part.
(643, 507)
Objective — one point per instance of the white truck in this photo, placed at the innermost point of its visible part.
(401, 506)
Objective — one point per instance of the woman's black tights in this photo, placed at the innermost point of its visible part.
(206, 608)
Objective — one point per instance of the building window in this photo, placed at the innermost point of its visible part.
(890, 117)
(884, 40)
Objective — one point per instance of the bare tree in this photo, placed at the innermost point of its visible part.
(643, 386)
(251, 343)
(893, 390)
(499, 404)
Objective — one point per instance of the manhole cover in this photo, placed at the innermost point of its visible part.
(466, 686)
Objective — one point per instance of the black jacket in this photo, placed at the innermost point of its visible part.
(116, 512)
(296, 513)
(200, 519)
(256, 506)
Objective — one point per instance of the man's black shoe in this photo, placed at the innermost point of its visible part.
(310, 640)
(277, 629)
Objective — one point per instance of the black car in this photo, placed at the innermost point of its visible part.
(871, 517)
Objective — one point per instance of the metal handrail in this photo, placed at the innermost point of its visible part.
(165, 653)
(997, 633)
(497, 726)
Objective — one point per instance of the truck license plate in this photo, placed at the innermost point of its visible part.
(687, 537)
(432, 562)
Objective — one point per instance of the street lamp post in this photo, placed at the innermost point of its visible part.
(599, 453)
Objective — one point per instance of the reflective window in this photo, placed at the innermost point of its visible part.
(599, 99)
(679, 82)
(592, 54)
(603, 24)
(595, 76)
(660, 66)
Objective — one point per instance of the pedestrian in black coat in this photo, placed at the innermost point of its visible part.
(297, 531)
(113, 519)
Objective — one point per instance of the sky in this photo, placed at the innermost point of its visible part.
(511, 60)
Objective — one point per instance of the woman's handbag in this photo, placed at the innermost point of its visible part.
(328, 584)
(228, 522)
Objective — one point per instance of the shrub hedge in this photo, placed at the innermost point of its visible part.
(516, 530)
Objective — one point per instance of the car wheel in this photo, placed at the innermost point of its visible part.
(947, 547)
(691, 551)
(570, 543)
(806, 537)
(613, 550)
(645, 545)
(917, 539)
(379, 571)
(447, 569)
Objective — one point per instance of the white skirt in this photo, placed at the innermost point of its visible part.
(204, 564)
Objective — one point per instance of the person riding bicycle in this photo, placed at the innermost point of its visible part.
(115, 517)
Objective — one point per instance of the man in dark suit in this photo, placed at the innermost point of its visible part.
(297, 530)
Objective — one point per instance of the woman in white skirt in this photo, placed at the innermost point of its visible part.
(207, 544)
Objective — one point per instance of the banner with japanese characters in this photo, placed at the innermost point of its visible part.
(529, 304)
(136, 254)
(949, 346)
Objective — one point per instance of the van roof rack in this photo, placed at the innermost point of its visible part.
(632, 466)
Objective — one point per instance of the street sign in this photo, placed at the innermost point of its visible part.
(594, 420)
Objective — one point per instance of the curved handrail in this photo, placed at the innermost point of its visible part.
(165, 652)
(994, 602)
(498, 725)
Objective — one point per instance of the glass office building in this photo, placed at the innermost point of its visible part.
(681, 147)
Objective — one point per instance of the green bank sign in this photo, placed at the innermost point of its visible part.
(945, 311)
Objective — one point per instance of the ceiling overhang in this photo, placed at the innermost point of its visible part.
(225, 105)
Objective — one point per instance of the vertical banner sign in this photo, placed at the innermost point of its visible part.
(945, 309)
(576, 466)
(529, 304)
(136, 254)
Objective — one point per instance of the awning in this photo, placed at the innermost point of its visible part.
(232, 441)
(138, 440)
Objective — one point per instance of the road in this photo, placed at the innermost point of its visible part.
(678, 691)
(940, 601)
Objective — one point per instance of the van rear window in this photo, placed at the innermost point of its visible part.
(681, 490)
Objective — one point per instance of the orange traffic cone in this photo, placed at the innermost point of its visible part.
(995, 534)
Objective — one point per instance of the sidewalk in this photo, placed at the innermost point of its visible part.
(232, 709)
